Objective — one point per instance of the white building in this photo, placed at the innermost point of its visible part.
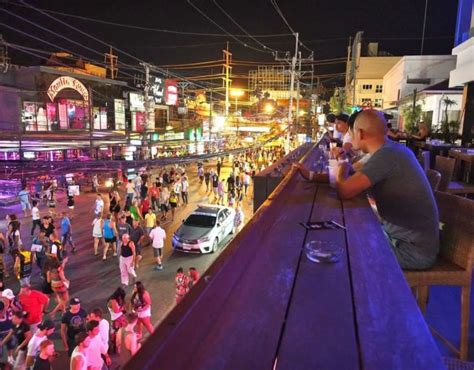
(415, 72)
(463, 73)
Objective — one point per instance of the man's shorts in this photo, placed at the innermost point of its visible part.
(157, 252)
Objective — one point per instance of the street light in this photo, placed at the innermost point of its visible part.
(236, 93)
(269, 108)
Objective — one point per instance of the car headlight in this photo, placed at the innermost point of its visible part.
(204, 239)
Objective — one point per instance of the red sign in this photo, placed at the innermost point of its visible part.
(140, 121)
(171, 92)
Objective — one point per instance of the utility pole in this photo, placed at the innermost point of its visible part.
(147, 107)
(112, 61)
(292, 88)
(210, 118)
(91, 123)
(298, 95)
(424, 28)
(227, 69)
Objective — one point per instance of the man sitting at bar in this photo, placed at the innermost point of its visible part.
(399, 186)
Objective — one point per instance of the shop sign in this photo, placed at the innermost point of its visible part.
(137, 102)
(157, 90)
(173, 136)
(119, 108)
(171, 92)
(66, 82)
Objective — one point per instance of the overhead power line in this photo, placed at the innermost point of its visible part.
(265, 47)
(142, 28)
(282, 16)
(224, 30)
(161, 70)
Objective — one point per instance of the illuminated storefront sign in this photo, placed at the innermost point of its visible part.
(171, 92)
(137, 102)
(66, 82)
(157, 90)
(119, 109)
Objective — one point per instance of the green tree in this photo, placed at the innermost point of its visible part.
(411, 116)
(338, 101)
(448, 129)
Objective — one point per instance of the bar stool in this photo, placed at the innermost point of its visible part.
(454, 264)
(446, 166)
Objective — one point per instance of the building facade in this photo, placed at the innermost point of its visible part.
(463, 72)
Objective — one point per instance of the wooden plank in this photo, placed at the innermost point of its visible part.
(391, 331)
(236, 321)
(319, 331)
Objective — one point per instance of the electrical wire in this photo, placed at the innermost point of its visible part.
(117, 24)
(282, 16)
(166, 73)
(223, 29)
(265, 47)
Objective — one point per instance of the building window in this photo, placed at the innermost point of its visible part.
(378, 88)
(366, 87)
(366, 101)
(378, 103)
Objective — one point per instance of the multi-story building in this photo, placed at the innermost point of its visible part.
(364, 74)
(272, 80)
(463, 72)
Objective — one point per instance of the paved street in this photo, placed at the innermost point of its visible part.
(93, 280)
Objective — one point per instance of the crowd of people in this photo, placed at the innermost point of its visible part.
(132, 217)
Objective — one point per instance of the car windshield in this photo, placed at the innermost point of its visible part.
(201, 221)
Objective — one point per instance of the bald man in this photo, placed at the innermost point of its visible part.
(399, 186)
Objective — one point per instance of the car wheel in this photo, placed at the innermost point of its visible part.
(215, 245)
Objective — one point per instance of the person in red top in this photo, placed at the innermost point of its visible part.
(34, 303)
(145, 206)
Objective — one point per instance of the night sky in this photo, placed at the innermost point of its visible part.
(324, 26)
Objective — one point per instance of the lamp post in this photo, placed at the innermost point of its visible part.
(237, 93)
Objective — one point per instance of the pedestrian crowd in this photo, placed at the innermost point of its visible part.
(131, 219)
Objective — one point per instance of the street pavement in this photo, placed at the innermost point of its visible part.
(94, 280)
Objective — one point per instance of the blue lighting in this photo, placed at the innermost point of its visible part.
(464, 22)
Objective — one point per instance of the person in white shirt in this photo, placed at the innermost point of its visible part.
(45, 329)
(177, 189)
(36, 217)
(104, 327)
(184, 189)
(79, 355)
(130, 188)
(96, 348)
(158, 236)
(99, 205)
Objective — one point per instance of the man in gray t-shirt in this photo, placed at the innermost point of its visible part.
(400, 188)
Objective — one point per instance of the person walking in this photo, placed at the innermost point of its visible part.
(110, 236)
(150, 220)
(96, 352)
(45, 330)
(51, 200)
(43, 359)
(182, 285)
(130, 191)
(173, 203)
(79, 354)
(164, 202)
(136, 236)
(141, 304)
(97, 233)
(207, 177)
(238, 219)
(59, 285)
(127, 341)
(220, 192)
(117, 311)
(35, 218)
(158, 236)
(98, 206)
(246, 182)
(193, 275)
(123, 227)
(184, 189)
(39, 247)
(24, 196)
(23, 265)
(34, 303)
(127, 259)
(215, 184)
(72, 323)
(20, 334)
(66, 232)
(97, 314)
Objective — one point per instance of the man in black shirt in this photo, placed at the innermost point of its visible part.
(42, 359)
(136, 236)
(72, 323)
(47, 226)
(22, 333)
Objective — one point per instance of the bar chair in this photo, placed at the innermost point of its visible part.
(454, 263)
(434, 178)
(446, 166)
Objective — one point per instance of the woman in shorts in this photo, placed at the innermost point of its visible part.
(97, 234)
(173, 203)
(110, 236)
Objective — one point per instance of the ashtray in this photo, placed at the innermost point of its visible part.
(323, 252)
